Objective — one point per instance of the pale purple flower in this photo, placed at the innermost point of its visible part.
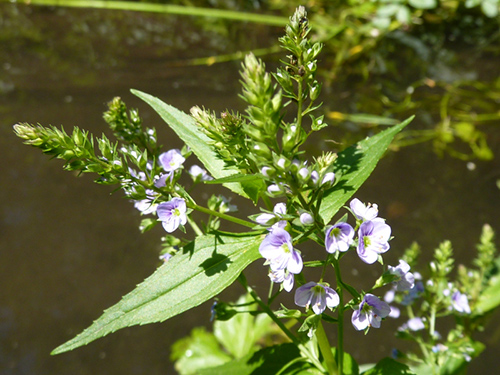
(171, 160)
(278, 250)
(339, 237)
(373, 240)
(414, 293)
(199, 174)
(460, 302)
(395, 312)
(172, 214)
(370, 313)
(282, 276)
(316, 296)
(405, 279)
(165, 257)
(415, 324)
(362, 211)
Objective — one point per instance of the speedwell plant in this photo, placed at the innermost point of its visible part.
(259, 155)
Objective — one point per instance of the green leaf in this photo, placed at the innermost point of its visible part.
(185, 127)
(198, 351)
(268, 361)
(349, 365)
(388, 366)
(355, 165)
(489, 298)
(239, 335)
(205, 268)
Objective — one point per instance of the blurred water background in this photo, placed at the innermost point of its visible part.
(70, 248)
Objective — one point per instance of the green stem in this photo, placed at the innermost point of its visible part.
(340, 324)
(195, 226)
(326, 349)
(208, 211)
(243, 281)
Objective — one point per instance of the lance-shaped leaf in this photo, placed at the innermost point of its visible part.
(205, 268)
(185, 127)
(355, 164)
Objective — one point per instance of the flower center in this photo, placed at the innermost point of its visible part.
(176, 212)
(335, 232)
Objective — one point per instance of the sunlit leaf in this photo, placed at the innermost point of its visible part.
(205, 268)
(355, 165)
(185, 127)
(198, 351)
(268, 361)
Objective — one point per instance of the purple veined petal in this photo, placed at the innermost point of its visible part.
(303, 294)
(171, 160)
(379, 307)
(295, 263)
(362, 211)
(381, 230)
(339, 237)
(277, 276)
(272, 245)
(172, 214)
(318, 300)
(374, 320)
(359, 320)
(288, 282)
(170, 224)
(332, 298)
(366, 255)
(162, 180)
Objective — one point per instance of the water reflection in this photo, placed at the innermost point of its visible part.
(69, 249)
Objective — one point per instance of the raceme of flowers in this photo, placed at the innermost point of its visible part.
(372, 240)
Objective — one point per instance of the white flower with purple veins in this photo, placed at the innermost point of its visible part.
(282, 276)
(373, 240)
(362, 211)
(278, 250)
(339, 237)
(316, 296)
(460, 302)
(370, 313)
(404, 278)
(172, 214)
(199, 174)
(171, 160)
